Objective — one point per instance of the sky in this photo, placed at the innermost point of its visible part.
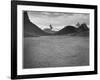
(58, 20)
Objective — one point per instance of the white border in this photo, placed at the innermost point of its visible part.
(21, 71)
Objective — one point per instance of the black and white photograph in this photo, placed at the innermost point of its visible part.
(53, 39)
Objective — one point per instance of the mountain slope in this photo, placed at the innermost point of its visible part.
(31, 29)
(83, 27)
(67, 30)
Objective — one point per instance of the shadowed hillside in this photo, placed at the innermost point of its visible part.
(67, 30)
(83, 27)
(30, 29)
(82, 30)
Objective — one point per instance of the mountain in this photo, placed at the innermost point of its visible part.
(30, 29)
(82, 30)
(66, 30)
(83, 27)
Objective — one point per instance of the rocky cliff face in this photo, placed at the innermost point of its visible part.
(31, 29)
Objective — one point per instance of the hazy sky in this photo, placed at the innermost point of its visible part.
(57, 19)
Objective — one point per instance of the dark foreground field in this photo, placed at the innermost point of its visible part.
(55, 51)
